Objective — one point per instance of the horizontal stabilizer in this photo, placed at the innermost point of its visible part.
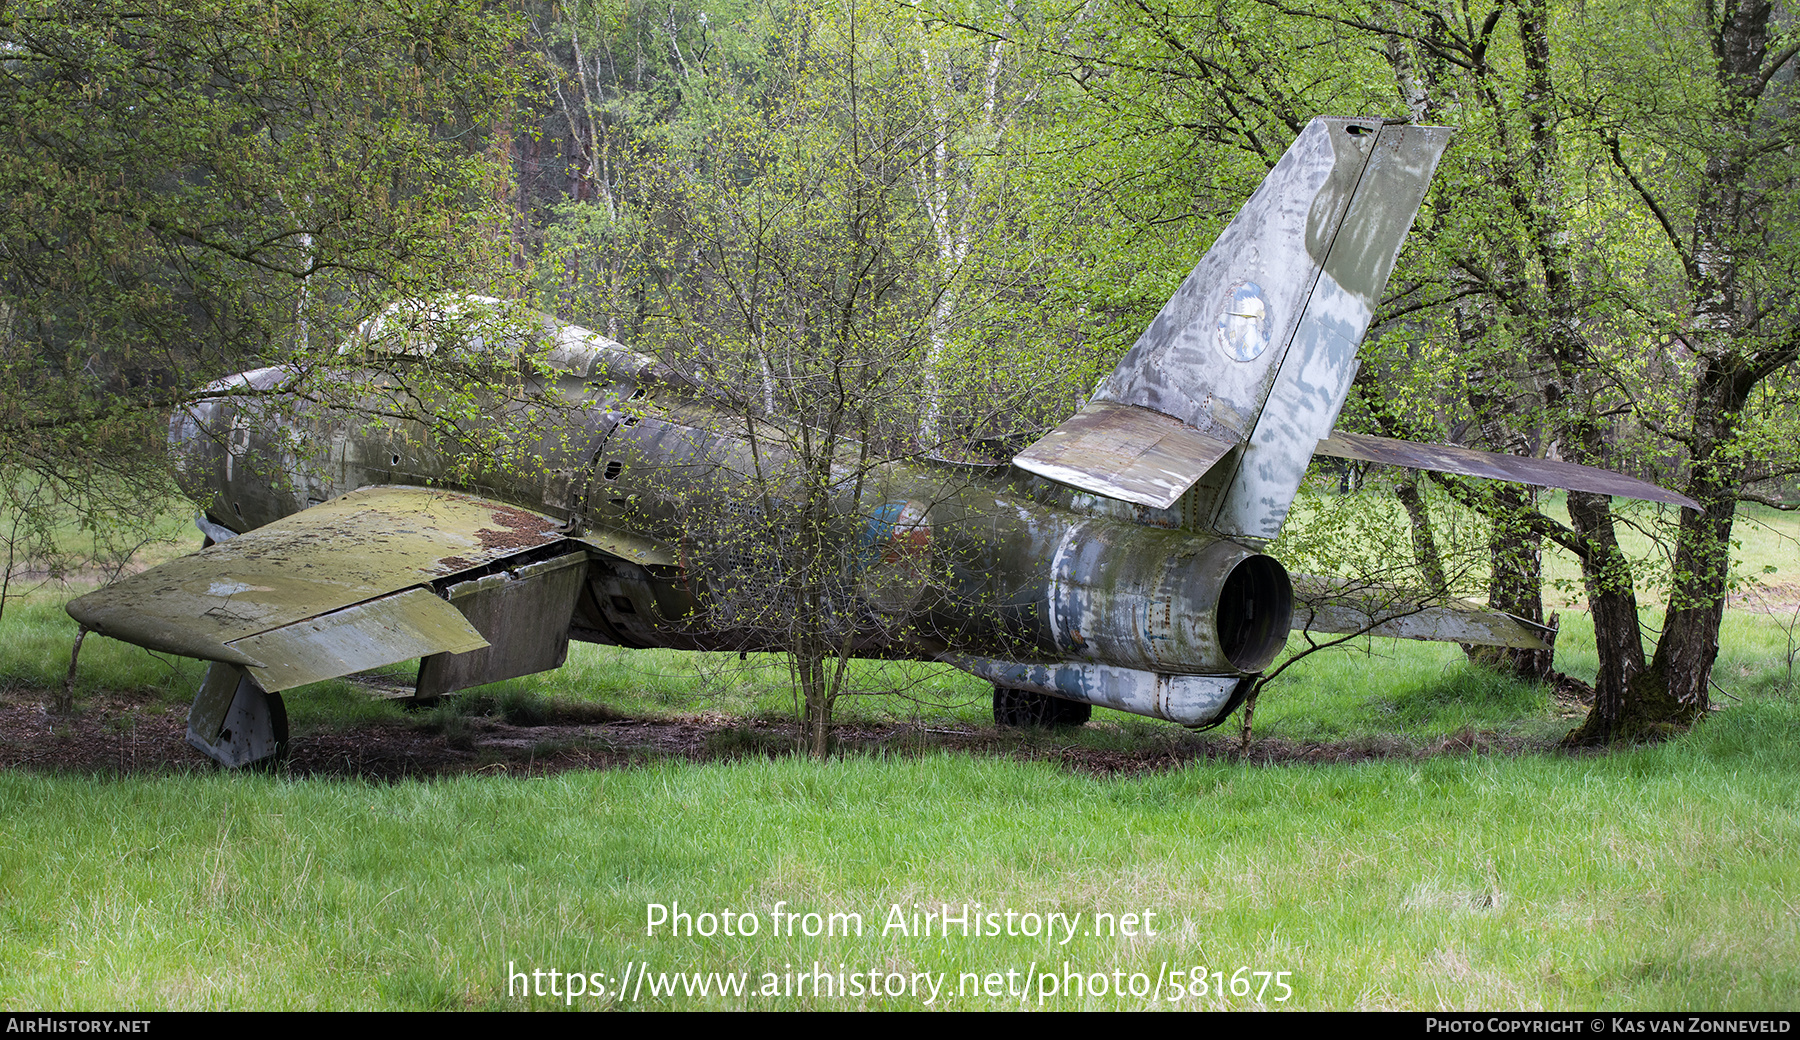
(1340, 606)
(1125, 452)
(1444, 458)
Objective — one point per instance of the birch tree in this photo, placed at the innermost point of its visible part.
(971, 105)
(1624, 225)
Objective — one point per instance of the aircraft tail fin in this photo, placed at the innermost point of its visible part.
(1244, 370)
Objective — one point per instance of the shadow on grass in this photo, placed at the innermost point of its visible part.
(345, 733)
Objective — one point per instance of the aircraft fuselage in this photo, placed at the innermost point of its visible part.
(699, 542)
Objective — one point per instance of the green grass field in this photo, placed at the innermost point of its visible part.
(1422, 876)
(1665, 877)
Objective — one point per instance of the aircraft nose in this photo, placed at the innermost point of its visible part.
(210, 428)
(196, 439)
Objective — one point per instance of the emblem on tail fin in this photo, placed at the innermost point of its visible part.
(1272, 314)
(1244, 323)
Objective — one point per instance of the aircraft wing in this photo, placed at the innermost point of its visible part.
(1340, 606)
(354, 583)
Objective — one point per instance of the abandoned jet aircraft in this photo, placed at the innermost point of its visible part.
(1116, 561)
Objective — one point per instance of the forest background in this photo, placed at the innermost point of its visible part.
(971, 208)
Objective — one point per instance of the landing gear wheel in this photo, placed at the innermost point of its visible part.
(1018, 709)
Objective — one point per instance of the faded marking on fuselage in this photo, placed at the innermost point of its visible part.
(1059, 590)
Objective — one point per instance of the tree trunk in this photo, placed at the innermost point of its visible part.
(1515, 553)
(1515, 584)
(1690, 638)
(1672, 694)
(1425, 550)
(816, 721)
(1613, 604)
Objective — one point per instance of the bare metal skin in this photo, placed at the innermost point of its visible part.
(1117, 561)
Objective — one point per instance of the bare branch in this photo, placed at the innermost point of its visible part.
(1616, 150)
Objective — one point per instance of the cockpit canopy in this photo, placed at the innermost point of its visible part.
(487, 331)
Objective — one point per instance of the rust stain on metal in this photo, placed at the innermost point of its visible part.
(517, 521)
(519, 529)
(511, 538)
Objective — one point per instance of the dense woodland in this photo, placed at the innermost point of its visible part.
(932, 226)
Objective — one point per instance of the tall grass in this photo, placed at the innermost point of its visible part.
(1655, 878)
(35, 644)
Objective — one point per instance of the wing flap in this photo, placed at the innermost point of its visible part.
(395, 628)
(1445, 458)
(630, 547)
(1126, 452)
(524, 614)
